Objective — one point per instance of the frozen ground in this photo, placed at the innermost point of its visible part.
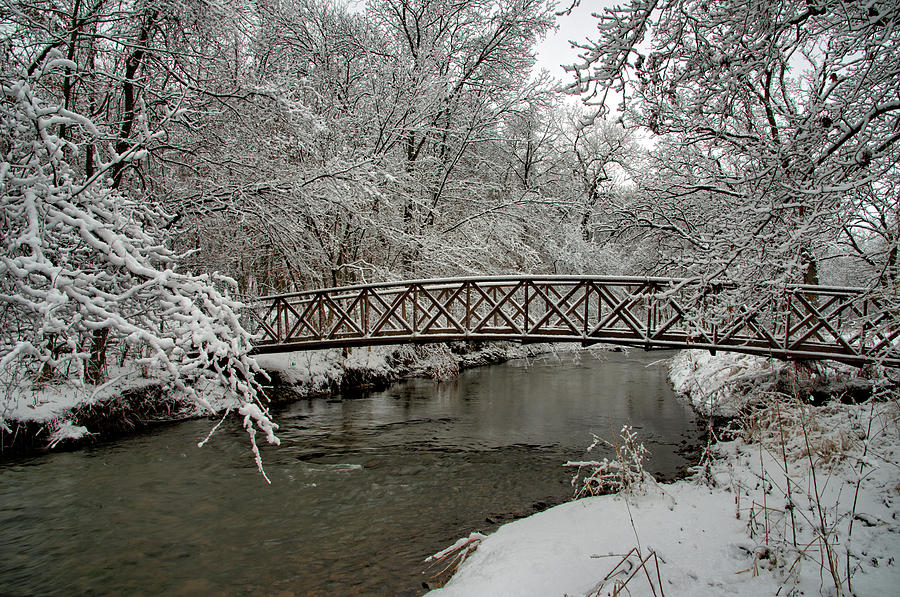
(803, 502)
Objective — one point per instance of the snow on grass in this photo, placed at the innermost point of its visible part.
(320, 371)
(50, 401)
(713, 382)
(315, 371)
(803, 502)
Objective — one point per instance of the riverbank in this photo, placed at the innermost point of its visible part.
(798, 498)
(375, 482)
(59, 415)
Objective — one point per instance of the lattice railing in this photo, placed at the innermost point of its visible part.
(802, 322)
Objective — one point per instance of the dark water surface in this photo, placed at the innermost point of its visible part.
(362, 489)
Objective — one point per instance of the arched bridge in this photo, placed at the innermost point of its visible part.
(798, 322)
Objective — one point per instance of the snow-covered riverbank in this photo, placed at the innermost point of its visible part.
(803, 501)
(62, 413)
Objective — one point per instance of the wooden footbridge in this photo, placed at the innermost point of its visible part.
(798, 322)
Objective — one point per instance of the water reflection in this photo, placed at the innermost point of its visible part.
(362, 491)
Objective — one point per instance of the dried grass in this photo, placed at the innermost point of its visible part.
(810, 447)
(626, 569)
(603, 477)
(444, 564)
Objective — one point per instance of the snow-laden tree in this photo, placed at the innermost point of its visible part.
(777, 126)
(530, 132)
(283, 187)
(362, 153)
(83, 265)
(563, 177)
(603, 159)
(453, 70)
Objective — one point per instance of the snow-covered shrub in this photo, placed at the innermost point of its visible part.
(83, 265)
(434, 360)
(721, 384)
(624, 472)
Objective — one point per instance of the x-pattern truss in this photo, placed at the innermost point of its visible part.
(802, 322)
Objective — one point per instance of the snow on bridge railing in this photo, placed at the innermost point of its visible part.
(794, 322)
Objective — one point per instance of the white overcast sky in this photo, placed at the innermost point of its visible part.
(556, 50)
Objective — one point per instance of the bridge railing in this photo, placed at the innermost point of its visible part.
(812, 322)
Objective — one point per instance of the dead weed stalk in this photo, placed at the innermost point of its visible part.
(801, 449)
(603, 477)
(444, 564)
(628, 566)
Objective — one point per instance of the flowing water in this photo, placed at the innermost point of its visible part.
(363, 489)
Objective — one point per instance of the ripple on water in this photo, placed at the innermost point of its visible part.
(362, 490)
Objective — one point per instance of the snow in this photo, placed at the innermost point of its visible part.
(67, 431)
(800, 498)
(315, 370)
(51, 401)
(568, 550)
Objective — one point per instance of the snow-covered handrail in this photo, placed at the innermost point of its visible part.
(852, 325)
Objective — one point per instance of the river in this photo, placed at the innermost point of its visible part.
(363, 489)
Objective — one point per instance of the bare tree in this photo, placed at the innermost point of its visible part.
(777, 125)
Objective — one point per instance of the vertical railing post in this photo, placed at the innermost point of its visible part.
(278, 310)
(587, 305)
(493, 290)
(403, 307)
(468, 315)
(364, 311)
(599, 305)
(324, 318)
(415, 308)
(525, 308)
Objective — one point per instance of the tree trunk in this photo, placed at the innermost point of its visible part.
(95, 369)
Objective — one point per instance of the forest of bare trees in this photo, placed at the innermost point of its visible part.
(163, 159)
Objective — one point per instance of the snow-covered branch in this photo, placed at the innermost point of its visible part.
(84, 266)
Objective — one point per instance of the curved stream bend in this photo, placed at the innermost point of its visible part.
(362, 489)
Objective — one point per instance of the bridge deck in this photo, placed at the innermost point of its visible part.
(799, 322)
